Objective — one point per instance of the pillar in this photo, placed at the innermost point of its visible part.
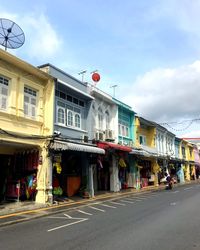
(91, 182)
(44, 178)
(114, 172)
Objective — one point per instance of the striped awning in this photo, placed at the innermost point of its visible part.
(110, 145)
(61, 146)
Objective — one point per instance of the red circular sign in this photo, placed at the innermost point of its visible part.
(95, 77)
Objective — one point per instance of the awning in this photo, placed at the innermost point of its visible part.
(60, 146)
(144, 151)
(110, 145)
(150, 150)
(140, 152)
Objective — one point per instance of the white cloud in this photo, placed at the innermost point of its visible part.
(41, 39)
(167, 94)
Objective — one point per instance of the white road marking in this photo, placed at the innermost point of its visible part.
(142, 198)
(105, 205)
(175, 192)
(66, 225)
(98, 209)
(83, 212)
(117, 203)
(127, 201)
(68, 216)
(56, 217)
(173, 203)
(188, 188)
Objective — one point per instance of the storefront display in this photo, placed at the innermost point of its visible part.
(19, 175)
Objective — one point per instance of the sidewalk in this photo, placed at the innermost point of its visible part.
(16, 212)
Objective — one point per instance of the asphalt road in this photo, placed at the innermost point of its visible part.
(158, 221)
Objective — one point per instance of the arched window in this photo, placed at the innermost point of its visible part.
(70, 118)
(77, 121)
(107, 120)
(100, 118)
(61, 115)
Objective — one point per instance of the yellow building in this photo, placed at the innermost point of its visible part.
(187, 155)
(147, 153)
(26, 122)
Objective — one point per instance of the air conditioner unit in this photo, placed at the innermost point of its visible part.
(85, 138)
(109, 134)
(100, 136)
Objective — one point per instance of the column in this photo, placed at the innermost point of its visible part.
(91, 183)
(114, 179)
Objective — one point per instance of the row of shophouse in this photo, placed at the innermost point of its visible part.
(60, 137)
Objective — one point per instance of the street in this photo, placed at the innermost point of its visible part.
(157, 220)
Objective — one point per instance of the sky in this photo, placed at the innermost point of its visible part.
(150, 49)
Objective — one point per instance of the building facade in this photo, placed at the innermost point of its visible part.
(72, 152)
(26, 94)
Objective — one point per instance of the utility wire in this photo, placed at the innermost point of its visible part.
(191, 121)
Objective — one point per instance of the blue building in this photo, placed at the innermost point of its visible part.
(72, 152)
(126, 137)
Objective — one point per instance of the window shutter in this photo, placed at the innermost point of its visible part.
(30, 102)
(25, 108)
(3, 98)
(33, 113)
(3, 102)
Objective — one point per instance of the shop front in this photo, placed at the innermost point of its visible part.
(113, 168)
(71, 168)
(146, 167)
(175, 167)
(20, 170)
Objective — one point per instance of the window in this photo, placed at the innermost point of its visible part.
(70, 118)
(30, 102)
(61, 115)
(68, 115)
(100, 119)
(81, 103)
(77, 121)
(124, 130)
(127, 132)
(183, 152)
(3, 93)
(75, 100)
(142, 140)
(69, 98)
(62, 95)
(161, 143)
(119, 129)
(107, 120)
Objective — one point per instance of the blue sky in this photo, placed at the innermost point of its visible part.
(149, 48)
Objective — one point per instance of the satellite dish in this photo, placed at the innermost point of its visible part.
(11, 35)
